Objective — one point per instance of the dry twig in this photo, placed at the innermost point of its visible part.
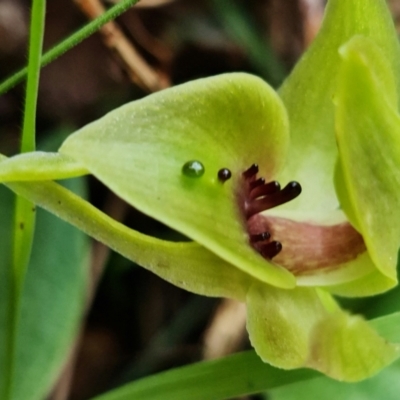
(227, 330)
(139, 71)
(313, 11)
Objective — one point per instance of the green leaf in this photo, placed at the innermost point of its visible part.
(52, 303)
(368, 131)
(309, 90)
(230, 121)
(306, 328)
(386, 385)
(24, 211)
(236, 375)
(51, 306)
(6, 223)
(232, 376)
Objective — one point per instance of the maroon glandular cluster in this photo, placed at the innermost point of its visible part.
(260, 196)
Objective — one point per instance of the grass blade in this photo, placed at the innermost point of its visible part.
(70, 42)
(24, 215)
(236, 375)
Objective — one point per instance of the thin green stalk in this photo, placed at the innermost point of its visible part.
(71, 41)
(32, 86)
(24, 213)
(24, 218)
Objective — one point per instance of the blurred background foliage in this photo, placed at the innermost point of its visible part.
(136, 324)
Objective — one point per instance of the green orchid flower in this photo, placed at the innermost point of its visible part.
(205, 158)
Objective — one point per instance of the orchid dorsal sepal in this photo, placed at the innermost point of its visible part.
(40, 166)
(308, 91)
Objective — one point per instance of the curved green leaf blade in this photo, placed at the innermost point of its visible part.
(385, 385)
(52, 303)
(230, 121)
(235, 375)
(6, 223)
(232, 376)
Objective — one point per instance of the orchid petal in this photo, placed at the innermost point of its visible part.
(369, 285)
(39, 166)
(305, 328)
(309, 90)
(368, 131)
(186, 265)
(230, 121)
